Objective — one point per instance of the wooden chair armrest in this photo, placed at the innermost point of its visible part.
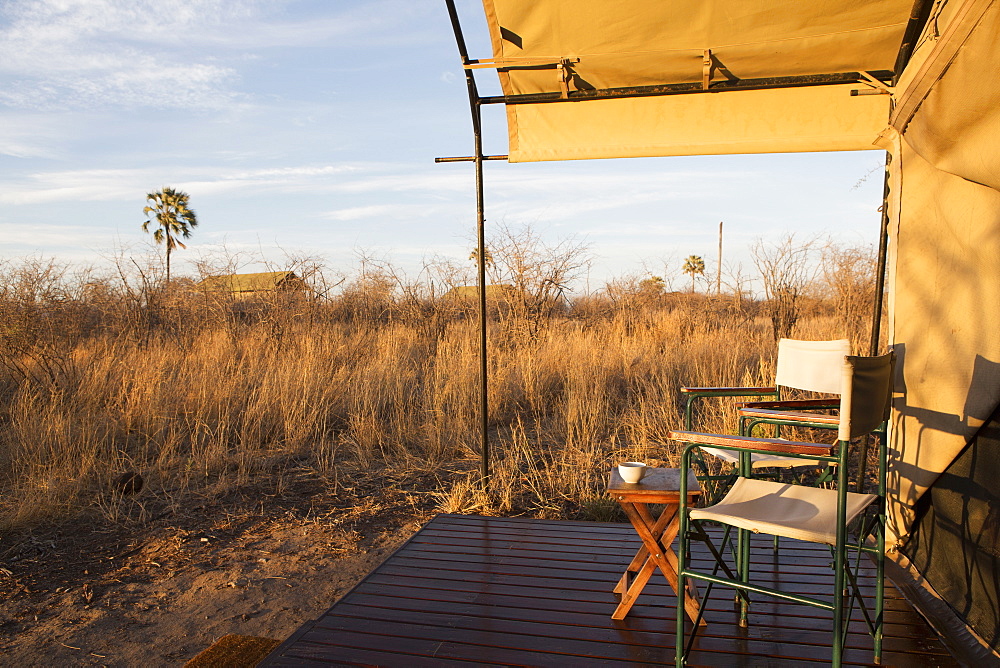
(750, 443)
(729, 391)
(788, 416)
(793, 404)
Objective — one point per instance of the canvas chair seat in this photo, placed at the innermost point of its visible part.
(794, 511)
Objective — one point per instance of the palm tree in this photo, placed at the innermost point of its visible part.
(694, 265)
(474, 256)
(173, 218)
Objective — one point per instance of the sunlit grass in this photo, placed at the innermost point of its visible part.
(200, 394)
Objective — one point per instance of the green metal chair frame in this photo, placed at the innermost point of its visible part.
(868, 379)
(792, 413)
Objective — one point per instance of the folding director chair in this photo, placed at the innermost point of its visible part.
(798, 511)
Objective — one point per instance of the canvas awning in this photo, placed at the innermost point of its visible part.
(740, 76)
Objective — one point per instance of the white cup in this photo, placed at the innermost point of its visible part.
(632, 472)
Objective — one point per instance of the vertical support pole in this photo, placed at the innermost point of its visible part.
(880, 557)
(883, 245)
(484, 402)
(718, 272)
(475, 107)
(743, 550)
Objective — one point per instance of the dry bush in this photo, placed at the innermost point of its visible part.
(538, 274)
(101, 376)
(786, 269)
(849, 274)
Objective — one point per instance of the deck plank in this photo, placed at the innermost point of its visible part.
(514, 591)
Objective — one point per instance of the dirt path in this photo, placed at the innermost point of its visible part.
(256, 562)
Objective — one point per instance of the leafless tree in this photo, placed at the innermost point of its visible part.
(539, 274)
(848, 274)
(786, 268)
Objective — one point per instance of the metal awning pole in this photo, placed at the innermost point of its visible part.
(484, 403)
(919, 14)
(883, 246)
(476, 110)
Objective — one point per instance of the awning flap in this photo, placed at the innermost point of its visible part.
(783, 120)
(565, 46)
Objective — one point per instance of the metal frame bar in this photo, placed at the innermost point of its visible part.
(919, 14)
(470, 158)
(475, 108)
(743, 392)
(688, 88)
(883, 247)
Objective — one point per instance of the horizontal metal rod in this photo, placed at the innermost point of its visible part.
(797, 598)
(688, 88)
(470, 158)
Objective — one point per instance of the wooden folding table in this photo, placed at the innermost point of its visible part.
(659, 486)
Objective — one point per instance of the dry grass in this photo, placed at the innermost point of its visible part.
(200, 396)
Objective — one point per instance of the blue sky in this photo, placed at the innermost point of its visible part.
(312, 126)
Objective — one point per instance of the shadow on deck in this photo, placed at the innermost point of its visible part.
(506, 591)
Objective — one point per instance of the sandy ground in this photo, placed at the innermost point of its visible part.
(261, 560)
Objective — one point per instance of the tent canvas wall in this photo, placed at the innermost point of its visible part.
(589, 79)
(944, 291)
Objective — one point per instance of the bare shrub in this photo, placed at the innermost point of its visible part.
(368, 298)
(848, 274)
(43, 313)
(538, 274)
(103, 375)
(786, 269)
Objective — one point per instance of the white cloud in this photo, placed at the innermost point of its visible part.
(164, 54)
(370, 23)
(370, 211)
(84, 185)
(73, 245)
(164, 20)
(123, 184)
(31, 135)
(73, 54)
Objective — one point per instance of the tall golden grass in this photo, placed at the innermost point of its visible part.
(195, 394)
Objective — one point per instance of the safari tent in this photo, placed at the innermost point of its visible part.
(586, 79)
(247, 286)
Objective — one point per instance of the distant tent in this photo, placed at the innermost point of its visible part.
(253, 285)
(497, 291)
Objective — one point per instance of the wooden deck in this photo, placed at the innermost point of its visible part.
(488, 590)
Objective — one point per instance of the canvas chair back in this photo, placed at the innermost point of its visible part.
(815, 366)
(866, 394)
